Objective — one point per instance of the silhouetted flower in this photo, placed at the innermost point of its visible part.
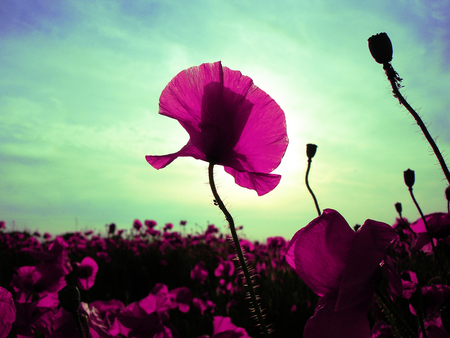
(380, 47)
(137, 224)
(87, 271)
(230, 122)
(339, 264)
(199, 273)
(438, 224)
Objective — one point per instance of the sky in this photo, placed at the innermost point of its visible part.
(80, 83)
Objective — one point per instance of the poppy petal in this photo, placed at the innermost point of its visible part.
(262, 183)
(319, 252)
(367, 251)
(161, 161)
(328, 323)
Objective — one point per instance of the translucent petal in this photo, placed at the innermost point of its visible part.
(262, 183)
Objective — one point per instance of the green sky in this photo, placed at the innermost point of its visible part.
(80, 83)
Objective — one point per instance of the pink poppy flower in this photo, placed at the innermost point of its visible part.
(224, 328)
(87, 271)
(225, 268)
(64, 325)
(141, 319)
(439, 225)
(180, 298)
(230, 122)
(339, 264)
(137, 224)
(199, 273)
(204, 303)
(7, 312)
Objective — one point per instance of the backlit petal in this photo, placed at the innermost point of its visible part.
(319, 252)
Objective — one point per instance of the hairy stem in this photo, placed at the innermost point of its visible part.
(248, 280)
(393, 78)
(76, 316)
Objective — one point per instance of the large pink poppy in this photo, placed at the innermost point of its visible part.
(230, 122)
(339, 265)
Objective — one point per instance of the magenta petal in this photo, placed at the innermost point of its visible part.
(159, 162)
(87, 271)
(368, 249)
(328, 323)
(262, 183)
(438, 223)
(319, 252)
(7, 312)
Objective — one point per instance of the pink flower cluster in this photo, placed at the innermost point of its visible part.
(29, 300)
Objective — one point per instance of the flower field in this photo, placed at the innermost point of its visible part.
(151, 283)
(160, 283)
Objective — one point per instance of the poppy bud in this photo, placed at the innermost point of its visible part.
(380, 47)
(112, 228)
(408, 175)
(69, 298)
(398, 207)
(311, 150)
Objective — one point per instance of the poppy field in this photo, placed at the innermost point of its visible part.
(161, 283)
(149, 283)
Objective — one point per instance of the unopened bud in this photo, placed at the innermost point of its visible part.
(311, 150)
(112, 228)
(380, 47)
(69, 298)
(409, 177)
(398, 207)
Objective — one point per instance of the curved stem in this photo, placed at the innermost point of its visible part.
(444, 275)
(393, 77)
(309, 189)
(248, 280)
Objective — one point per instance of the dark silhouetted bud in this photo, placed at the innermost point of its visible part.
(447, 193)
(408, 175)
(398, 207)
(380, 47)
(311, 150)
(112, 228)
(69, 298)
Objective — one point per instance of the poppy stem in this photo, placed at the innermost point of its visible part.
(248, 279)
(444, 275)
(309, 189)
(76, 316)
(393, 79)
